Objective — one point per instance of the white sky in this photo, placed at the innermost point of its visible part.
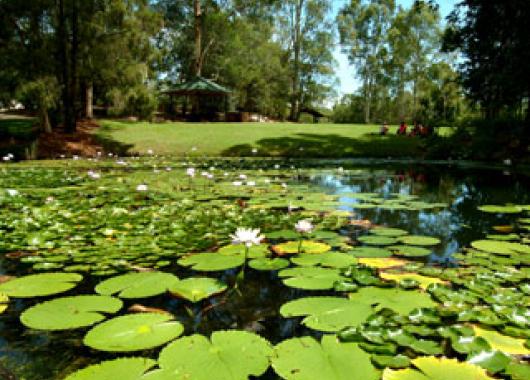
(346, 73)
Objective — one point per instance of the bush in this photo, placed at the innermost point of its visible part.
(137, 101)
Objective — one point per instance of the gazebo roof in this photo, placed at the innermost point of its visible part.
(198, 86)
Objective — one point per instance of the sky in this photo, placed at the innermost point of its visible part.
(346, 73)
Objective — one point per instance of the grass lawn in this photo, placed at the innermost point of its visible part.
(270, 139)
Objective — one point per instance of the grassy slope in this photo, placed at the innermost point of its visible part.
(238, 139)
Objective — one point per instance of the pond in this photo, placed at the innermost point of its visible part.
(390, 267)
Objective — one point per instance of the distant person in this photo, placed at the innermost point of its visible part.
(402, 130)
(384, 129)
(416, 130)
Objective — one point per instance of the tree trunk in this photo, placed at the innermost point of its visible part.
(70, 126)
(63, 58)
(198, 36)
(45, 121)
(367, 101)
(89, 100)
(297, 45)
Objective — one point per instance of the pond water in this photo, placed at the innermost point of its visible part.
(92, 218)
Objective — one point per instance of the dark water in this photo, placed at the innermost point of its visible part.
(35, 355)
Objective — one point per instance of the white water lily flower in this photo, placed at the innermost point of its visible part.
(254, 150)
(142, 187)
(12, 192)
(94, 175)
(190, 172)
(150, 152)
(210, 176)
(193, 149)
(251, 183)
(304, 226)
(276, 166)
(237, 183)
(284, 185)
(247, 236)
(242, 176)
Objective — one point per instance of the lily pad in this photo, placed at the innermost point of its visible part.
(329, 314)
(387, 231)
(419, 240)
(265, 264)
(432, 368)
(423, 281)
(500, 247)
(305, 358)
(328, 259)
(4, 299)
(377, 240)
(133, 332)
(69, 312)
(382, 262)
(401, 301)
(503, 343)
(254, 252)
(308, 246)
(310, 278)
(228, 355)
(137, 285)
(122, 369)
(211, 262)
(40, 285)
(196, 289)
(370, 252)
(497, 209)
(410, 251)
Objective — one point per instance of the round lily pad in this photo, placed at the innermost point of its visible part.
(382, 262)
(69, 312)
(254, 251)
(310, 278)
(308, 246)
(137, 285)
(497, 209)
(133, 332)
(419, 240)
(122, 369)
(196, 289)
(370, 252)
(212, 262)
(377, 240)
(228, 355)
(401, 301)
(500, 247)
(410, 250)
(39, 285)
(387, 231)
(423, 281)
(503, 343)
(328, 259)
(265, 264)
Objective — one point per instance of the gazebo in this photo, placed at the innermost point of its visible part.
(205, 96)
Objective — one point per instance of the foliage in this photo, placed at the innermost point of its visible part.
(40, 285)
(137, 285)
(124, 368)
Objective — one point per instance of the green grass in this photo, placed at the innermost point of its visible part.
(17, 127)
(271, 139)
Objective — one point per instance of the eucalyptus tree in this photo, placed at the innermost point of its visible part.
(363, 29)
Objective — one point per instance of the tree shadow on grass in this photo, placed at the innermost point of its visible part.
(104, 138)
(308, 145)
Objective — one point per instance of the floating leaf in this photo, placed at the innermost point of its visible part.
(518, 371)
(500, 247)
(370, 252)
(328, 314)
(410, 251)
(382, 262)
(265, 264)
(306, 358)
(4, 299)
(39, 285)
(69, 312)
(419, 240)
(308, 246)
(310, 278)
(122, 369)
(133, 332)
(229, 355)
(254, 252)
(422, 280)
(328, 259)
(432, 368)
(212, 262)
(137, 285)
(195, 289)
(377, 240)
(397, 361)
(386, 231)
(399, 300)
(492, 361)
(503, 343)
(496, 209)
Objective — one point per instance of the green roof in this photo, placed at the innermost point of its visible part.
(199, 85)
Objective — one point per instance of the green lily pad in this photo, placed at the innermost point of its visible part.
(308, 246)
(265, 264)
(211, 262)
(397, 361)
(432, 368)
(40, 285)
(329, 314)
(410, 251)
(492, 361)
(500, 247)
(518, 371)
(69, 312)
(228, 355)
(377, 240)
(497, 209)
(401, 301)
(387, 231)
(328, 259)
(137, 285)
(254, 252)
(503, 343)
(123, 369)
(4, 299)
(310, 278)
(306, 358)
(196, 289)
(370, 252)
(419, 240)
(133, 332)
